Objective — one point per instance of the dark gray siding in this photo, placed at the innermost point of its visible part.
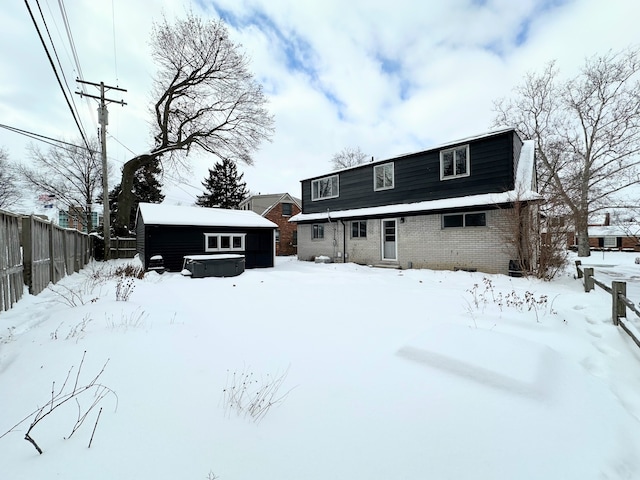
(140, 241)
(417, 178)
(173, 242)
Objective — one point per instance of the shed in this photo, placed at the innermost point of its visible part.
(176, 231)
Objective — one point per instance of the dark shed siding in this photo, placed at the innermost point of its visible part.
(173, 242)
(140, 240)
(417, 178)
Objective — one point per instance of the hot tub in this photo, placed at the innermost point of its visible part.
(223, 265)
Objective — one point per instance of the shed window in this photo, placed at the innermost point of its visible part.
(224, 242)
(326, 187)
(454, 163)
(383, 176)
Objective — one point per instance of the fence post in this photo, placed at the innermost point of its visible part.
(588, 279)
(578, 263)
(619, 309)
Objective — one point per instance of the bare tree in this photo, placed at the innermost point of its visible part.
(587, 134)
(348, 157)
(72, 174)
(206, 99)
(9, 188)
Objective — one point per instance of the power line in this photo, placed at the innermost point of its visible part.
(115, 54)
(44, 138)
(55, 71)
(55, 51)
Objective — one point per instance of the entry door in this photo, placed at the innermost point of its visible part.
(389, 240)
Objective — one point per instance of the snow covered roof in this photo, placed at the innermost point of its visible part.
(523, 191)
(262, 204)
(615, 231)
(161, 214)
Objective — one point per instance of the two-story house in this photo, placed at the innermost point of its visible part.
(278, 208)
(450, 207)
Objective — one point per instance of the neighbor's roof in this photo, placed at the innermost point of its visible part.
(160, 214)
(262, 204)
(523, 191)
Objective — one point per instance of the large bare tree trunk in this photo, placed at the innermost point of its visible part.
(582, 231)
(125, 197)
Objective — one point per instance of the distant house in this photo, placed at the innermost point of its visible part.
(76, 217)
(278, 208)
(624, 235)
(450, 207)
(175, 231)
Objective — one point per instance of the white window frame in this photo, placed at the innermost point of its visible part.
(317, 228)
(353, 222)
(606, 242)
(383, 167)
(467, 171)
(219, 237)
(316, 188)
(464, 219)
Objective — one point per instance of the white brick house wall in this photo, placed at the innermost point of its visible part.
(422, 243)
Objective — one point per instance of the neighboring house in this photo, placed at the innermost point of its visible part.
(76, 217)
(278, 208)
(175, 231)
(624, 235)
(449, 207)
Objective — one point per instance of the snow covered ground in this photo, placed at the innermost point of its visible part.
(376, 374)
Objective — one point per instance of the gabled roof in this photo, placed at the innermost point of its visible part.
(161, 214)
(262, 204)
(524, 191)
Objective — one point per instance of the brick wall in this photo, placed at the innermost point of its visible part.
(422, 243)
(286, 244)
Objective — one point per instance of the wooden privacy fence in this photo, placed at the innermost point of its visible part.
(11, 269)
(618, 292)
(51, 252)
(123, 247)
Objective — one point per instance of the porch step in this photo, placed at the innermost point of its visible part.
(387, 265)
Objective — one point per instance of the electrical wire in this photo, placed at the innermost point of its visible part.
(115, 53)
(55, 71)
(55, 51)
(44, 138)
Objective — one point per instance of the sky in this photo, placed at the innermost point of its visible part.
(446, 375)
(386, 78)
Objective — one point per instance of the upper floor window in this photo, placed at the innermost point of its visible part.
(478, 219)
(454, 162)
(286, 209)
(383, 176)
(223, 242)
(326, 187)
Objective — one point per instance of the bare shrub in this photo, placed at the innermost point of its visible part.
(136, 319)
(250, 396)
(129, 270)
(64, 394)
(124, 288)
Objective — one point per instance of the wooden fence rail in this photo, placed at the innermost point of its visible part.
(618, 292)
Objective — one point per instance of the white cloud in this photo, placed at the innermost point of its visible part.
(389, 78)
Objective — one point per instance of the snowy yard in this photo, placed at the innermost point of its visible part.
(380, 374)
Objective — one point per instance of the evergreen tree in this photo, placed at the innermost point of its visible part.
(146, 189)
(224, 186)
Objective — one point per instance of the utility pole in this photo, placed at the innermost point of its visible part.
(103, 120)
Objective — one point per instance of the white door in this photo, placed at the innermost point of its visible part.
(389, 234)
